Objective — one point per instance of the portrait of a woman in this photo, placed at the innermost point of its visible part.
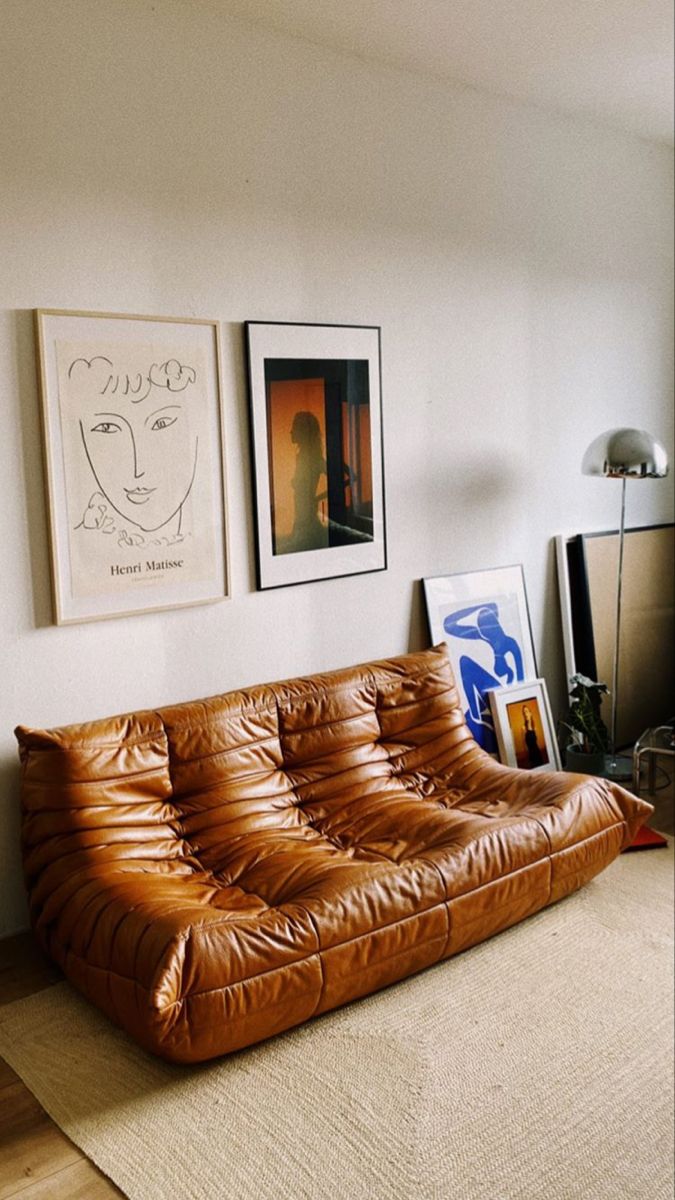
(529, 739)
(535, 757)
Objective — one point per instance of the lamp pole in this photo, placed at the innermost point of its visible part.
(615, 671)
(623, 454)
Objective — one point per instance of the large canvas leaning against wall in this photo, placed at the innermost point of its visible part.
(316, 434)
(134, 462)
(587, 578)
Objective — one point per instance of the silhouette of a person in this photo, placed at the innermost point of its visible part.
(480, 622)
(309, 532)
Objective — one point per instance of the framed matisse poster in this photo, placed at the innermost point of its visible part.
(524, 726)
(133, 461)
(316, 435)
(484, 619)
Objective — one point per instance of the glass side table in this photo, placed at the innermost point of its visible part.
(651, 745)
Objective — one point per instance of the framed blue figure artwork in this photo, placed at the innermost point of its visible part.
(483, 618)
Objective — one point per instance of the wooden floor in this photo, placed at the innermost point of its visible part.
(37, 1160)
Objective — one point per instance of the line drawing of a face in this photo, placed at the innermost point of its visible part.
(139, 440)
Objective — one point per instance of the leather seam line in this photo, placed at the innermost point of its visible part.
(319, 952)
(439, 716)
(446, 903)
(87, 744)
(593, 837)
(221, 718)
(409, 749)
(287, 735)
(243, 746)
(117, 860)
(537, 821)
(223, 786)
(431, 698)
(162, 767)
(149, 990)
(290, 772)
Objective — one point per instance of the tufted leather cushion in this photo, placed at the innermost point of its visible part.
(214, 872)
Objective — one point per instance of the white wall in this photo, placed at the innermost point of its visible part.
(158, 157)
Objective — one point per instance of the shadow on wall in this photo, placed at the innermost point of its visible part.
(10, 848)
(418, 629)
(238, 434)
(31, 437)
(489, 480)
(552, 663)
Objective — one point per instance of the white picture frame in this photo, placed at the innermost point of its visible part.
(524, 726)
(134, 463)
(317, 448)
(566, 608)
(483, 618)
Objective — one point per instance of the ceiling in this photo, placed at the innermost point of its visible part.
(607, 60)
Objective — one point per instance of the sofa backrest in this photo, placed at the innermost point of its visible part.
(175, 783)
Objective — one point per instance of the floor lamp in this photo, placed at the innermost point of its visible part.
(623, 454)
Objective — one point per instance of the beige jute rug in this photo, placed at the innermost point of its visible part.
(537, 1066)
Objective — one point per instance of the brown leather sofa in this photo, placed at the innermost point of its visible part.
(212, 873)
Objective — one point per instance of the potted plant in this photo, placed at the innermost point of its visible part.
(587, 737)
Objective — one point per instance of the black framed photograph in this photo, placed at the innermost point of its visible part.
(316, 437)
(134, 462)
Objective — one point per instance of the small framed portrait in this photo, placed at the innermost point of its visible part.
(483, 618)
(316, 435)
(524, 726)
(134, 465)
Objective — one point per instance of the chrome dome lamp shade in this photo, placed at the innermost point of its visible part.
(623, 454)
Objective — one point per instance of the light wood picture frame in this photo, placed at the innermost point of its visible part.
(524, 726)
(133, 443)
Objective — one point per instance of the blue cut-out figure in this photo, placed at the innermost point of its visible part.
(507, 666)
